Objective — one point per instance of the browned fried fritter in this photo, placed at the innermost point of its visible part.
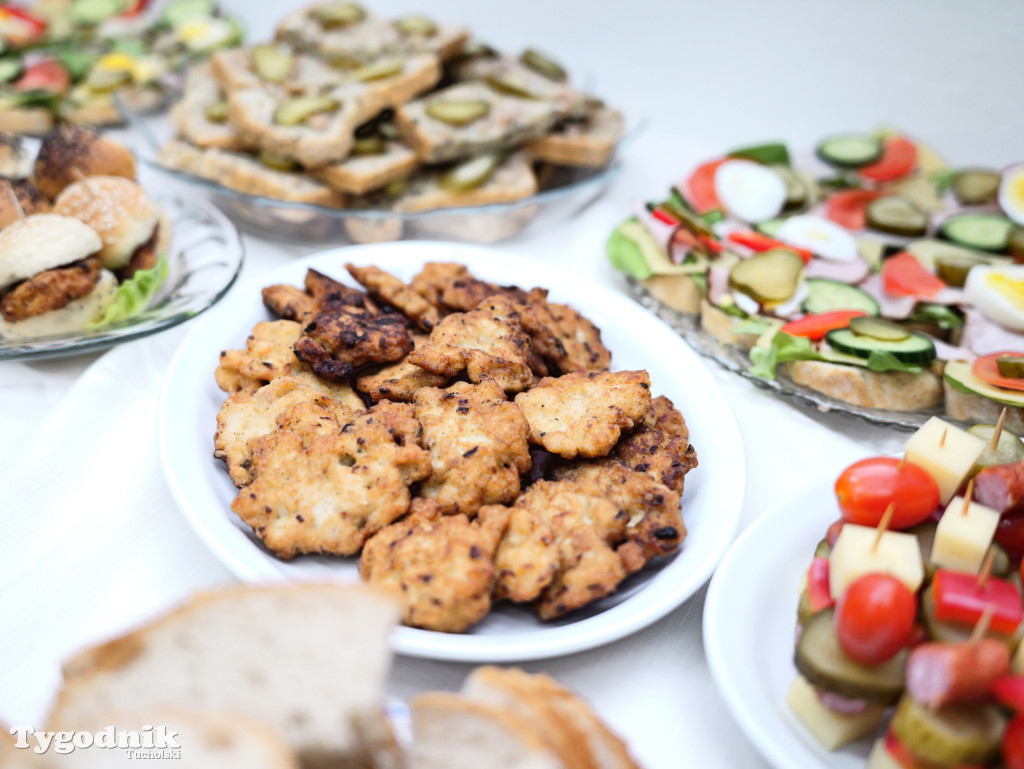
(290, 303)
(50, 290)
(302, 304)
(487, 342)
(399, 381)
(583, 414)
(267, 355)
(340, 338)
(386, 288)
(439, 566)
(331, 495)
(660, 446)
(564, 337)
(247, 415)
(144, 258)
(464, 294)
(431, 281)
(477, 444)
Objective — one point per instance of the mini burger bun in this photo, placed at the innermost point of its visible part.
(42, 242)
(74, 316)
(31, 200)
(69, 153)
(117, 208)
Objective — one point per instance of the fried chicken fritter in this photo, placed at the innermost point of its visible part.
(465, 294)
(340, 338)
(477, 444)
(440, 566)
(302, 305)
(267, 355)
(431, 281)
(583, 414)
(386, 288)
(399, 381)
(486, 342)
(331, 495)
(563, 337)
(50, 290)
(290, 303)
(660, 446)
(248, 415)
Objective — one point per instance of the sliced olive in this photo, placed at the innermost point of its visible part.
(950, 736)
(897, 215)
(368, 145)
(544, 65)
(277, 162)
(1008, 450)
(1011, 366)
(217, 112)
(952, 268)
(877, 328)
(295, 111)
(105, 80)
(510, 85)
(470, 174)
(976, 186)
(332, 15)
(770, 276)
(458, 113)
(416, 25)
(379, 71)
(271, 63)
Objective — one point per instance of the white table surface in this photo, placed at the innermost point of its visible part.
(91, 542)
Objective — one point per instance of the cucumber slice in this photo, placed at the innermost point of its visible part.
(88, 13)
(770, 276)
(896, 215)
(470, 174)
(949, 736)
(915, 349)
(1010, 448)
(179, 10)
(976, 186)
(876, 328)
(984, 231)
(770, 227)
(822, 661)
(959, 376)
(826, 295)
(10, 69)
(849, 150)
(770, 154)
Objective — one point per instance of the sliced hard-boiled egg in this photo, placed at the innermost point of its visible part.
(747, 303)
(750, 191)
(200, 33)
(791, 305)
(1011, 193)
(820, 236)
(998, 292)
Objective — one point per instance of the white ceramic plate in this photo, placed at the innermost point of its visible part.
(749, 621)
(711, 504)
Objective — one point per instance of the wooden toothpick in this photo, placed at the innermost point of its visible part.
(986, 567)
(998, 431)
(967, 496)
(981, 628)
(942, 440)
(883, 525)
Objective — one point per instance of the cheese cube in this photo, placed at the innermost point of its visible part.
(881, 758)
(897, 554)
(961, 541)
(831, 729)
(948, 463)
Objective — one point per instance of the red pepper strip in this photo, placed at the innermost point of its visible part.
(1009, 690)
(819, 595)
(664, 216)
(898, 159)
(135, 8)
(37, 24)
(959, 599)
(903, 275)
(757, 241)
(814, 327)
(711, 244)
(700, 187)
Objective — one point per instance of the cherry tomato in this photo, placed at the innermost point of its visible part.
(866, 488)
(985, 369)
(849, 207)
(1013, 744)
(816, 326)
(898, 159)
(700, 188)
(1009, 690)
(903, 275)
(875, 618)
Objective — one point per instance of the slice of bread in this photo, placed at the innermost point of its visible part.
(509, 122)
(28, 121)
(720, 325)
(359, 174)
(512, 180)
(207, 740)
(587, 142)
(233, 70)
(245, 173)
(310, 660)
(453, 732)
(977, 409)
(891, 390)
(567, 101)
(189, 115)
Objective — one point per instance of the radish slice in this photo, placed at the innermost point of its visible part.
(749, 190)
(824, 238)
(1011, 193)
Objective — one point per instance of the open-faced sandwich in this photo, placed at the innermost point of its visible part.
(870, 272)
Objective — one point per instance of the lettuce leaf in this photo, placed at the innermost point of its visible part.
(880, 360)
(625, 253)
(134, 295)
(944, 317)
(751, 326)
(783, 348)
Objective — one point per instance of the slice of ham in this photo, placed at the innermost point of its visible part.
(947, 351)
(839, 704)
(718, 283)
(982, 336)
(846, 272)
(892, 307)
(659, 230)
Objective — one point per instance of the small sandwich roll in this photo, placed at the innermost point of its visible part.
(70, 153)
(30, 200)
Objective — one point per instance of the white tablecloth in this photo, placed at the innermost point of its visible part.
(91, 542)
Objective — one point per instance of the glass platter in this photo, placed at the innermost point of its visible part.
(564, 192)
(736, 360)
(205, 259)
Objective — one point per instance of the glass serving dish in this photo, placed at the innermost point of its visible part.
(205, 259)
(564, 192)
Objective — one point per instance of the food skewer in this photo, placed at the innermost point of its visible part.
(998, 431)
(968, 494)
(986, 567)
(981, 628)
(883, 525)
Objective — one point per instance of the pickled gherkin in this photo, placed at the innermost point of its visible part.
(949, 736)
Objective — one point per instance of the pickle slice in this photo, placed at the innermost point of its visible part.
(953, 268)
(416, 25)
(277, 162)
(105, 80)
(796, 190)
(876, 328)
(1011, 366)
(823, 549)
(333, 15)
(296, 111)
(470, 174)
(897, 215)
(458, 113)
(544, 65)
(271, 63)
(1009, 449)
(510, 85)
(770, 276)
(1015, 243)
(344, 61)
(379, 71)
(976, 186)
(949, 736)
(822, 661)
(216, 112)
(368, 145)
